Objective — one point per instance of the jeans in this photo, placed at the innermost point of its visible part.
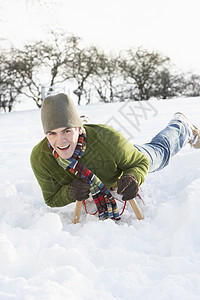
(166, 143)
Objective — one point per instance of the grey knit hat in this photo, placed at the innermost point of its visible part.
(59, 111)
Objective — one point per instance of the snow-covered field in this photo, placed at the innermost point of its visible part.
(44, 256)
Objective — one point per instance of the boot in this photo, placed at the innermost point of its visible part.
(195, 140)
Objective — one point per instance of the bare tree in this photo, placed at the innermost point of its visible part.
(106, 79)
(28, 63)
(42, 62)
(169, 84)
(191, 86)
(11, 84)
(58, 55)
(140, 68)
(81, 69)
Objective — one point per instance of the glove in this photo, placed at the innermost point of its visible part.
(127, 186)
(80, 189)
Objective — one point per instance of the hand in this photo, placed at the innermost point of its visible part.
(80, 189)
(127, 186)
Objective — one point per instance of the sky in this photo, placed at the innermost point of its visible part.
(169, 27)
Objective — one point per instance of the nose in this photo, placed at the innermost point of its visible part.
(61, 139)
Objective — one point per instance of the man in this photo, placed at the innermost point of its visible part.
(73, 160)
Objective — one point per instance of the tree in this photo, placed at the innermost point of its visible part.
(107, 78)
(168, 84)
(58, 55)
(3, 83)
(191, 85)
(28, 65)
(81, 68)
(11, 83)
(140, 69)
(42, 62)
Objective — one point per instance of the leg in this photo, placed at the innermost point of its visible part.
(166, 143)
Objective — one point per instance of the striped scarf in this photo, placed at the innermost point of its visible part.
(105, 203)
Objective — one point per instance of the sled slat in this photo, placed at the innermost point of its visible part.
(77, 212)
(136, 209)
(133, 203)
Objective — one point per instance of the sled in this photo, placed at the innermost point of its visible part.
(136, 209)
(133, 203)
(77, 212)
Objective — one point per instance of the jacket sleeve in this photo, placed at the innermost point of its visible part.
(55, 193)
(129, 159)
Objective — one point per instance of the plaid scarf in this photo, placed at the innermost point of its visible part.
(106, 204)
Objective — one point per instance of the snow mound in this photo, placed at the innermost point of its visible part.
(44, 256)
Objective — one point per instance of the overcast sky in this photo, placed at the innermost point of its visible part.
(170, 27)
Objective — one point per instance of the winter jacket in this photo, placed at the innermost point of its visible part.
(108, 155)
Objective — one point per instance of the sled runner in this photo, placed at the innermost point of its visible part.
(132, 202)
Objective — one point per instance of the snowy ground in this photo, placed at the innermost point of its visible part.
(44, 256)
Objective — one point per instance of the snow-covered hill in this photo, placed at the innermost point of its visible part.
(44, 256)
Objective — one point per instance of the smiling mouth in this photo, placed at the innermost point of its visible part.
(63, 148)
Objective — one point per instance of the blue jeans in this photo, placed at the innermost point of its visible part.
(166, 143)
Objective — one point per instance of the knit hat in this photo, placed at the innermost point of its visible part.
(59, 111)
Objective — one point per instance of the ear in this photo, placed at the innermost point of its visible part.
(80, 130)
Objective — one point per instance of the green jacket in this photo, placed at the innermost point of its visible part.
(108, 155)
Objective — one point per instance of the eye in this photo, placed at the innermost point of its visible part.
(51, 133)
(67, 130)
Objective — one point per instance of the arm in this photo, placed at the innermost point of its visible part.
(56, 187)
(130, 160)
(109, 155)
(55, 195)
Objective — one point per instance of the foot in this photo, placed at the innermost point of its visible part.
(195, 140)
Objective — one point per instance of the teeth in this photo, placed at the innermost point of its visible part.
(63, 147)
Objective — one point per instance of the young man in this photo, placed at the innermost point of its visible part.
(73, 160)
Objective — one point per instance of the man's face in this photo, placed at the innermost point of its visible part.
(64, 140)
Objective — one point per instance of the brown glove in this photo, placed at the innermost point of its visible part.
(80, 189)
(127, 186)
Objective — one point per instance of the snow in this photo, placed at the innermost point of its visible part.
(44, 256)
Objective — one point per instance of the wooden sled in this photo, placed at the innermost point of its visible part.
(133, 203)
